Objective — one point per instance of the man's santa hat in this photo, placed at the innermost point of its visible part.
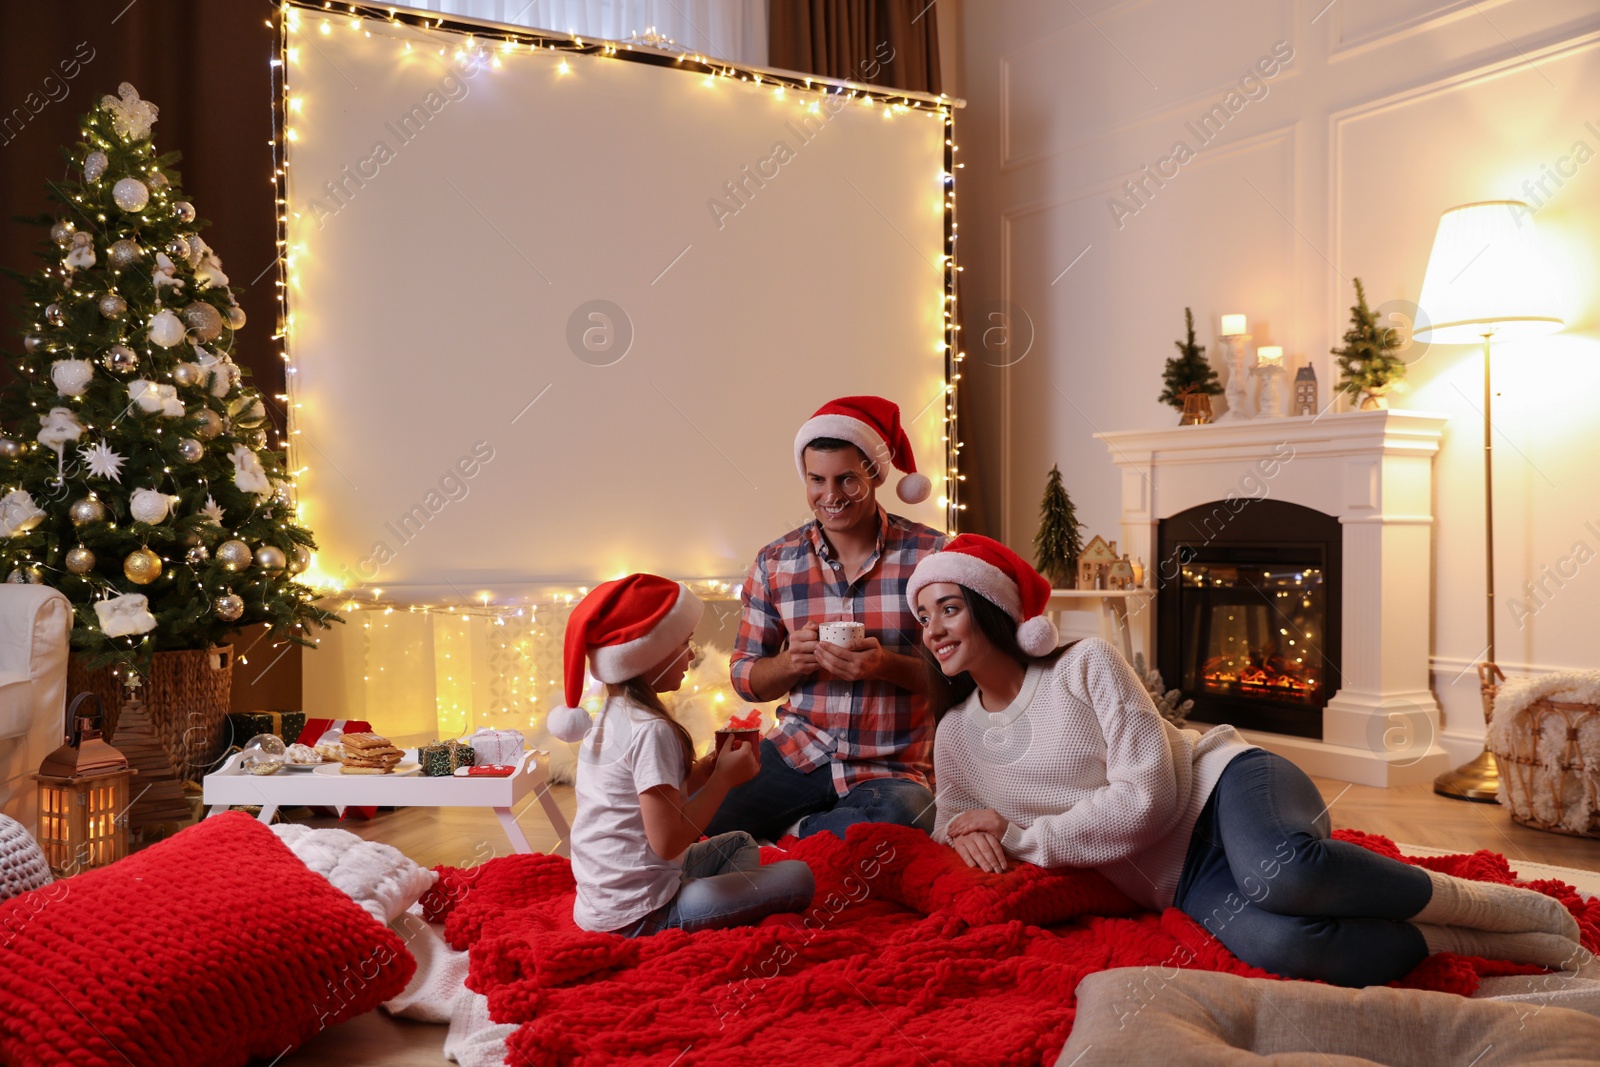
(1001, 577)
(872, 424)
(623, 628)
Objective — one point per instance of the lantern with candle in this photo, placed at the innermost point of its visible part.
(83, 796)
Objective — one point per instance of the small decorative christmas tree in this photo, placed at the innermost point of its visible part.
(1188, 372)
(1368, 365)
(134, 473)
(1058, 542)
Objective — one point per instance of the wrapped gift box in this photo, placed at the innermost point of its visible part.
(441, 758)
(498, 748)
(247, 724)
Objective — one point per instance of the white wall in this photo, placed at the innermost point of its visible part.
(1390, 112)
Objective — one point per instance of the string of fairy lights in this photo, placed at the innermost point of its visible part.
(495, 44)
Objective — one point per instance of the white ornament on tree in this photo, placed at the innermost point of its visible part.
(94, 166)
(71, 376)
(130, 194)
(164, 276)
(18, 512)
(150, 505)
(166, 329)
(212, 510)
(123, 616)
(155, 398)
(102, 461)
(224, 372)
(57, 427)
(208, 272)
(131, 117)
(81, 257)
(248, 474)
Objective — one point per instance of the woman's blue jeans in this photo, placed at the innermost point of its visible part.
(1263, 876)
(724, 884)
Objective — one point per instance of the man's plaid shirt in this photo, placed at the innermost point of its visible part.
(862, 730)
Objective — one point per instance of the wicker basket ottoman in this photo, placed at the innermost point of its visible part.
(1545, 735)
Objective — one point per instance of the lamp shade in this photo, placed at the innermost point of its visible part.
(1486, 276)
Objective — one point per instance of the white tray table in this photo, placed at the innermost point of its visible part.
(230, 786)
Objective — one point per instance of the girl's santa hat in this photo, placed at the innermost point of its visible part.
(872, 424)
(1000, 576)
(624, 628)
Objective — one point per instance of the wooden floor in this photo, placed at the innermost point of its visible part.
(462, 836)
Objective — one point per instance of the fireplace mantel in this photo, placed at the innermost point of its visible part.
(1373, 471)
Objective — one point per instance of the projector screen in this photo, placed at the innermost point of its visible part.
(556, 317)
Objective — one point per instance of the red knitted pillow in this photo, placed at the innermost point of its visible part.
(210, 948)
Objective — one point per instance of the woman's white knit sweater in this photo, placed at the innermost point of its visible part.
(1086, 770)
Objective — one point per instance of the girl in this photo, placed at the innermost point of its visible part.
(1059, 758)
(642, 799)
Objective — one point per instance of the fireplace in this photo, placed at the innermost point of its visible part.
(1265, 515)
(1248, 612)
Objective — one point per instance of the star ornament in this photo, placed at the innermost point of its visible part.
(212, 510)
(102, 461)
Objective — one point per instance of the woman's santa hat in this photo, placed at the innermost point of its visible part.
(872, 424)
(1001, 577)
(624, 628)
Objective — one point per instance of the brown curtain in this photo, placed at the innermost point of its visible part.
(892, 43)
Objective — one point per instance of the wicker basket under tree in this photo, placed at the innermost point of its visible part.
(187, 694)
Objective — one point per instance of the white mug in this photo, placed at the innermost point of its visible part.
(841, 633)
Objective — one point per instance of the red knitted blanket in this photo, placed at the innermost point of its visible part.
(906, 956)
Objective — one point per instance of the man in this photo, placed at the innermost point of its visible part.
(854, 741)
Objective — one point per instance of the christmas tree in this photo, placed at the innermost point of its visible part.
(1368, 363)
(135, 475)
(1188, 372)
(1057, 544)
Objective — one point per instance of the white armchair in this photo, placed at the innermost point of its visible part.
(34, 622)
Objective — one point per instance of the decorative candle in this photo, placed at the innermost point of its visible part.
(1232, 325)
(1269, 356)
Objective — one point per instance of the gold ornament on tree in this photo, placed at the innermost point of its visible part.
(112, 306)
(300, 560)
(142, 566)
(234, 555)
(270, 558)
(124, 253)
(80, 560)
(210, 424)
(228, 607)
(203, 320)
(120, 359)
(86, 510)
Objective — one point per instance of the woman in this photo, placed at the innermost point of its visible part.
(1059, 758)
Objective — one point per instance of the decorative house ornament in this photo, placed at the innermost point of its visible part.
(1120, 575)
(83, 796)
(1094, 563)
(1305, 391)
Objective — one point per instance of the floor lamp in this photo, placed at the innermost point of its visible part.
(1485, 283)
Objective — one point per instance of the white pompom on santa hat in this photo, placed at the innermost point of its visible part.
(872, 424)
(1001, 577)
(623, 628)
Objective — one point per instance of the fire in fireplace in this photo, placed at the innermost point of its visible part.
(1248, 613)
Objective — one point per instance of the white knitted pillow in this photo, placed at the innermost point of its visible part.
(22, 863)
(376, 876)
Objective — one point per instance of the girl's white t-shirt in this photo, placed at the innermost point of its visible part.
(628, 750)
